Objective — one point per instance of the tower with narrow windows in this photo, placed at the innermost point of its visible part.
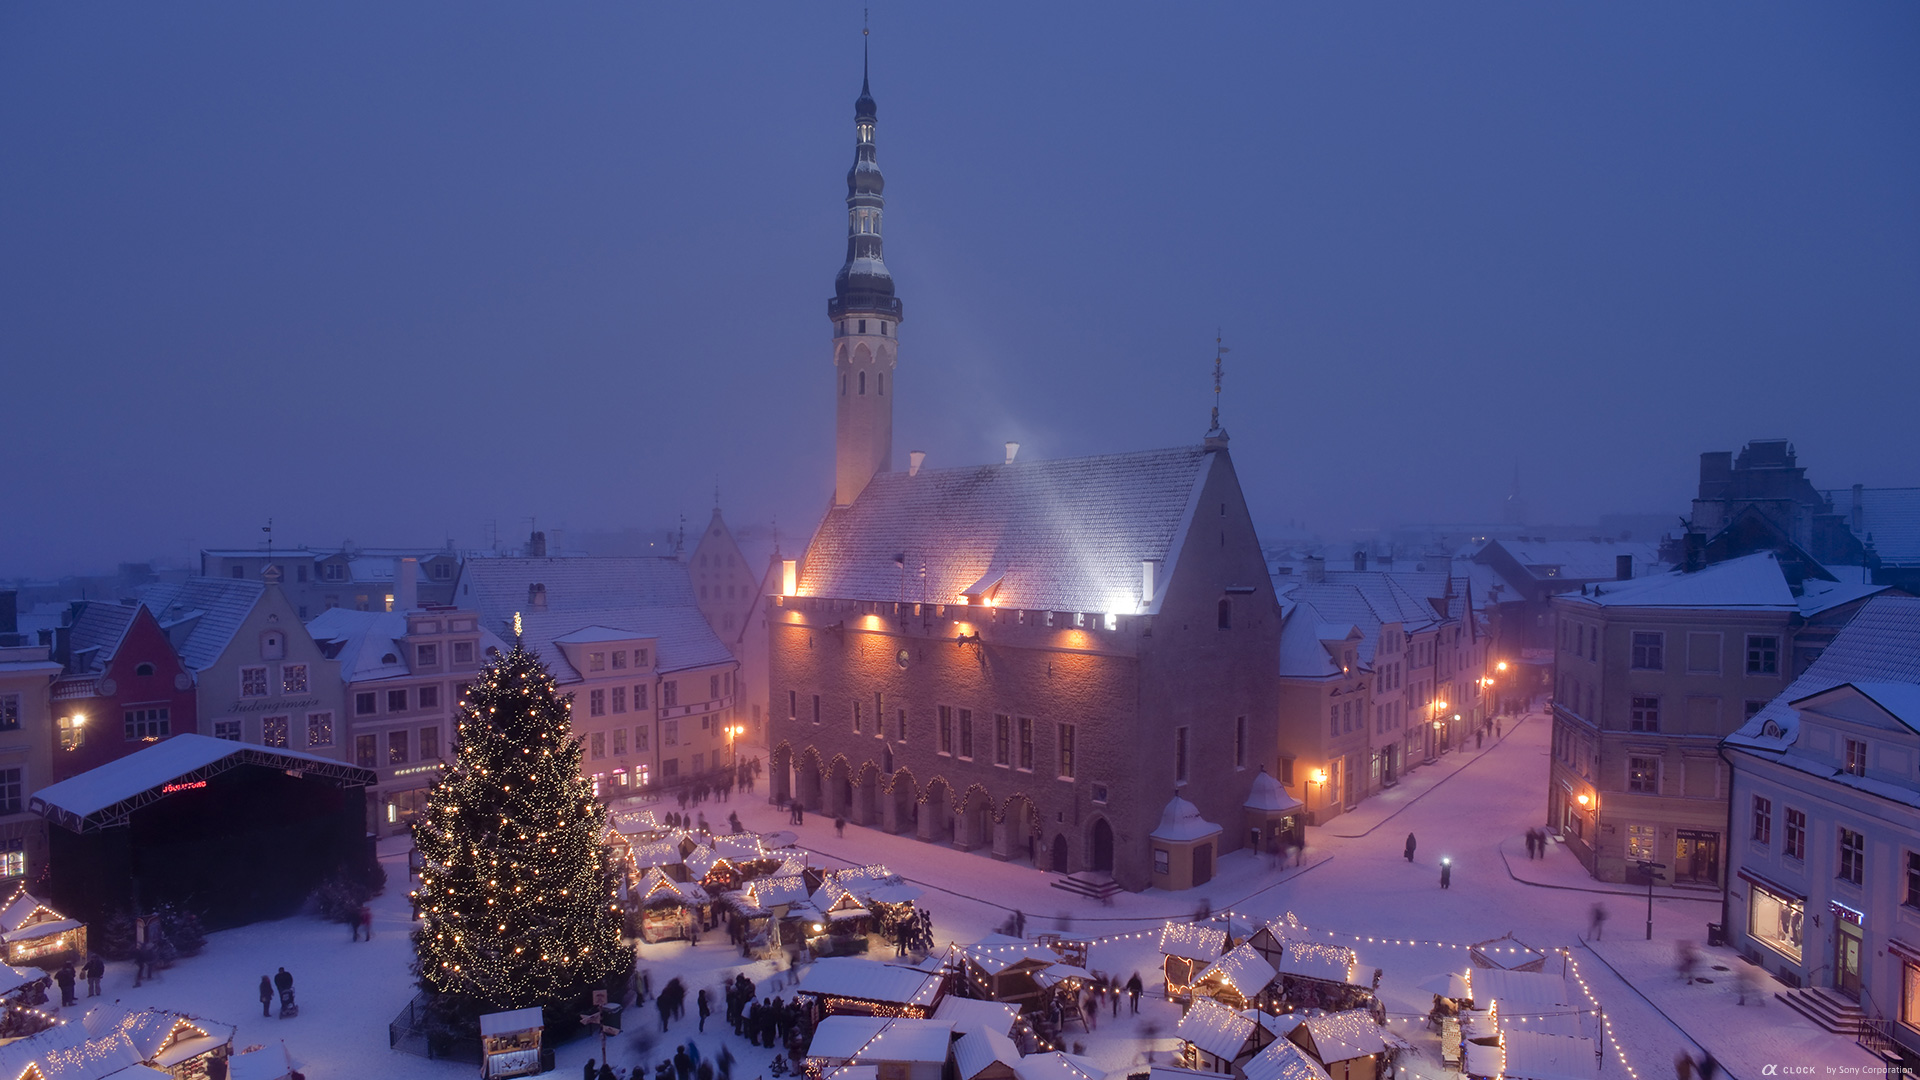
(866, 324)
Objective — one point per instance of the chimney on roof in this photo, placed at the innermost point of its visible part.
(406, 583)
(1696, 551)
(1012, 449)
(1146, 583)
(1859, 517)
(537, 545)
(9, 611)
(1360, 561)
(1623, 568)
(1316, 569)
(915, 459)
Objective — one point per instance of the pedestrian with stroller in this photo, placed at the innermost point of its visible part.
(283, 981)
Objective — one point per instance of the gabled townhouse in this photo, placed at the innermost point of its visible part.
(655, 700)
(1650, 674)
(122, 686)
(403, 674)
(1825, 845)
(259, 676)
(733, 583)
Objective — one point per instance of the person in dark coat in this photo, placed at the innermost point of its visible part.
(95, 970)
(606, 1072)
(65, 978)
(1446, 873)
(682, 1064)
(1411, 844)
(588, 1072)
(665, 1005)
(706, 1008)
(266, 996)
(1134, 987)
(284, 983)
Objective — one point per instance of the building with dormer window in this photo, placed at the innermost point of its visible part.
(1825, 851)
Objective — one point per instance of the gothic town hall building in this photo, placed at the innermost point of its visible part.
(1065, 662)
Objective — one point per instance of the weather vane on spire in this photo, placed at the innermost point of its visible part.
(1219, 352)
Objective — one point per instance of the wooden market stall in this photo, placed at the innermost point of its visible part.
(1186, 949)
(33, 933)
(670, 910)
(1242, 979)
(1216, 1039)
(847, 985)
(1350, 1045)
(1002, 968)
(510, 1043)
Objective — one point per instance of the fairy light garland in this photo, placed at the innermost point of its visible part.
(517, 895)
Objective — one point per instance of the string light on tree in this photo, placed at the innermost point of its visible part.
(517, 895)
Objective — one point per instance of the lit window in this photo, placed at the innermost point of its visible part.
(147, 724)
(293, 678)
(273, 731)
(1762, 820)
(1643, 775)
(253, 682)
(320, 729)
(1856, 757)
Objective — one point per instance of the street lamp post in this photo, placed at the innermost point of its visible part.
(1647, 867)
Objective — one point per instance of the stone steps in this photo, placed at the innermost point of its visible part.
(1831, 1011)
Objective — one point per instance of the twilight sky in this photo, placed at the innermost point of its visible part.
(396, 272)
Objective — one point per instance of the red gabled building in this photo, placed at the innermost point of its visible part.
(122, 687)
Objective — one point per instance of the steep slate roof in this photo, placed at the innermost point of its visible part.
(208, 610)
(1068, 535)
(99, 626)
(1881, 644)
(1750, 583)
(1578, 560)
(1891, 516)
(636, 597)
(369, 637)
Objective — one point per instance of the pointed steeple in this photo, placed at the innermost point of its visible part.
(866, 318)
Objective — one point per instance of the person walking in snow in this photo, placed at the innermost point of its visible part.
(1134, 986)
(588, 1072)
(1597, 920)
(266, 996)
(705, 1006)
(65, 978)
(1411, 844)
(1446, 873)
(607, 1073)
(96, 968)
(283, 981)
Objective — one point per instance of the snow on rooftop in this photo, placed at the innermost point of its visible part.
(1214, 1028)
(870, 980)
(165, 761)
(1282, 1060)
(1194, 941)
(1243, 968)
(1181, 822)
(1267, 795)
(1880, 645)
(1749, 583)
(1069, 535)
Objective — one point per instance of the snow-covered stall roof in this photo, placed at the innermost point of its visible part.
(768, 893)
(657, 889)
(23, 908)
(1526, 992)
(967, 1014)
(870, 980)
(1192, 940)
(510, 1022)
(266, 1063)
(1319, 960)
(1213, 1027)
(1057, 1065)
(1534, 1055)
(110, 1041)
(1282, 1060)
(879, 1038)
(647, 854)
(740, 847)
(1243, 968)
(1343, 1036)
(996, 953)
(103, 797)
(980, 1049)
(634, 822)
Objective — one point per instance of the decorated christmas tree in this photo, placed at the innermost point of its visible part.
(516, 895)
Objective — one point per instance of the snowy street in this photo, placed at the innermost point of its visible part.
(1353, 883)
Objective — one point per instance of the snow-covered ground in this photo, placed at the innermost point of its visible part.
(1353, 885)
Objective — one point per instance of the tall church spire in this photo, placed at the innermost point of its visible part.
(866, 319)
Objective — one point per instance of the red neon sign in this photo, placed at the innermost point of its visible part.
(171, 788)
